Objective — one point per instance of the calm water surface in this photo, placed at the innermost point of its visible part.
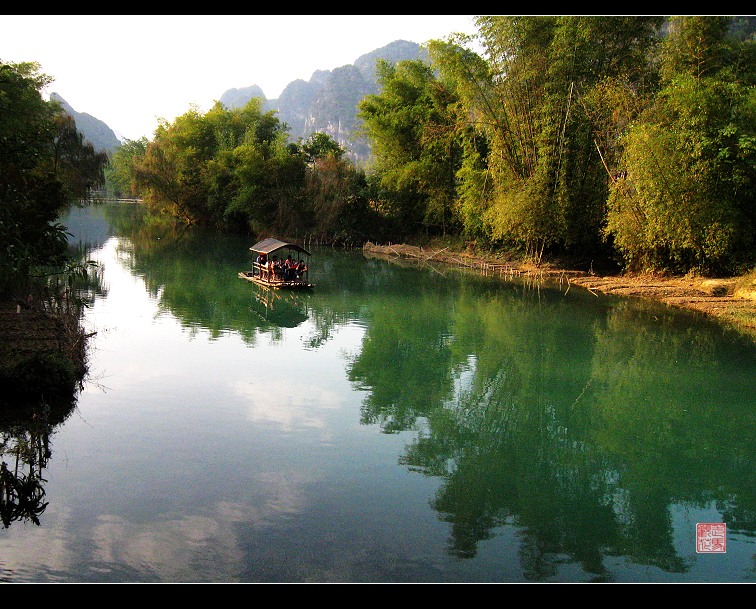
(400, 423)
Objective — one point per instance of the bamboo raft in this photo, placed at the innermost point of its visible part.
(265, 276)
(275, 283)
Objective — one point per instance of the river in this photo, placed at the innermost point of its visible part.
(399, 423)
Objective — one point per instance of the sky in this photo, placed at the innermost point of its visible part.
(131, 70)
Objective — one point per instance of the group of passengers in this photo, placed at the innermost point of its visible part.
(274, 270)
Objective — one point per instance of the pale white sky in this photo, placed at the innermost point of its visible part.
(130, 70)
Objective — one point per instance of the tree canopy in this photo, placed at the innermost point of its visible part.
(45, 165)
(628, 138)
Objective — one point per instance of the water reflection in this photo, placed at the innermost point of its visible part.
(583, 430)
(285, 309)
(26, 425)
(25, 450)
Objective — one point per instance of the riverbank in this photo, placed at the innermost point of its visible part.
(42, 356)
(732, 301)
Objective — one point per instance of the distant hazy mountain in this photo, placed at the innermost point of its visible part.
(102, 137)
(236, 98)
(328, 101)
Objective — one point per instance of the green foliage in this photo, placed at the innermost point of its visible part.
(341, 203)
(687, 202)
(44, 166)
(473, 196)
(695, 46)
(415, 134)
(119, 175)
(76, 164)
(570, 105)
(230, 169)
(321, 145)
(548, 180)
(627, 137)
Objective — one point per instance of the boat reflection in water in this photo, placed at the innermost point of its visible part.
(284, 309)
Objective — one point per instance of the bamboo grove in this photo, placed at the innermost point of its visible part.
(631, 138)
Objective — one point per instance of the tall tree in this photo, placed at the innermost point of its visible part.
(231, 169)
(549, 183)
(45, 165)
(412, 125)
(119, 176)
(687, 200)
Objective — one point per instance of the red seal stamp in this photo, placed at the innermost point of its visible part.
(711, 537)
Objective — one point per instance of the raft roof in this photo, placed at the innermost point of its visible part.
(270, 245)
